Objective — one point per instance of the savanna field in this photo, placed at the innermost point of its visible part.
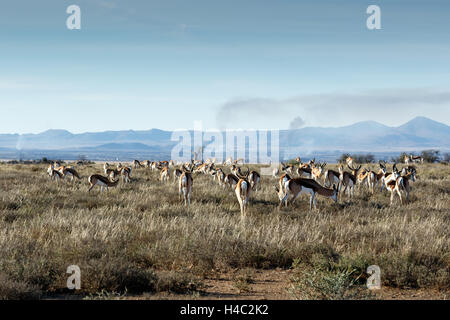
(139, 241)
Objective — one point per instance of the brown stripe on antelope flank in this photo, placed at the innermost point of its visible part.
(312, 184)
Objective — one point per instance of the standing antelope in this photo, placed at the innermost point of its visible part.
(401, 183)
(125, 172)
(112, 173)
(164, 175)
(305, 169)
(331, 177)
(374, 178)
(231, 179)
(317, 170)
(102, 181)
(298, 186)
(185, 185)
(176, 174)
(254, 178)
(349, 161)
(347, 179)
(242, 190)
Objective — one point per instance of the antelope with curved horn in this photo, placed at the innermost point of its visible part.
(242, 190)
(298, 186)
(102, 181)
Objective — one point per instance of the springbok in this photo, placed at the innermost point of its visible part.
(112, 173)
(242, 190)
(102, 181)
(331, 177)
(54, 174)
(185, 185)
(70, 172)
(176, 174)
(317, 170)
(349, 161)
(401, 184)
(137, 164)
(125, 172)
(305, 169)
(254, 178)
(298, 186)
(164, 175)
(347, 179)
(231, 179)
(373, 178)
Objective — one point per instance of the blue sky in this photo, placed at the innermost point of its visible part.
(231, 64)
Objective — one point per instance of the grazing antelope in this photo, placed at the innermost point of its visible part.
(102, 181)
(347, 179)
(137, 164)
(54, 174)
(112, 173)
(298, 186)
(401, 184)
(317, 170)
(185, 185)
(70, 172)
(242, 190)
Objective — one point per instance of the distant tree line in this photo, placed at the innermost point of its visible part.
(357, 158)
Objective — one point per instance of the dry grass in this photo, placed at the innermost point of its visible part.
(140, 238)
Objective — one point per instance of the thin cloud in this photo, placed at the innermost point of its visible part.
(386, 106)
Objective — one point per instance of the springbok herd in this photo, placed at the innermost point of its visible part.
(293, 179)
